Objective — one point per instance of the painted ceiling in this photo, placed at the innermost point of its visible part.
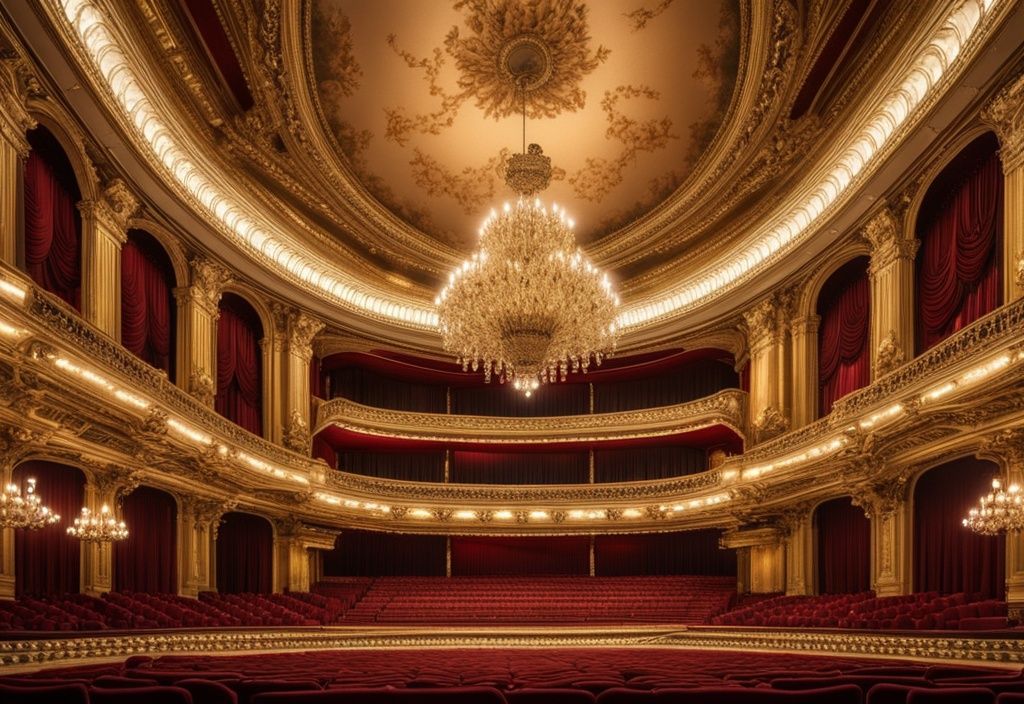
(625, 97)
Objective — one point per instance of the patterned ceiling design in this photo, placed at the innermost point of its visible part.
(625, 97)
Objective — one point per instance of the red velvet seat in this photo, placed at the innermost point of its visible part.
(205, 691)
(149, 695)
(442, 695)
(115, 682)
(248, 689)
(958, 695)
(550, 696)
(50, 694)
(626, 696)
(1010, 698)
(844, 694)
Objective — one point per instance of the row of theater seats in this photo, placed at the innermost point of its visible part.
(127, 611)
(922, 611)
(614, 676)
(526, 600)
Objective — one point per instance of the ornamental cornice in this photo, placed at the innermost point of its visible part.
(724, 408)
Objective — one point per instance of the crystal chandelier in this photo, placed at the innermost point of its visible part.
(24, 511)
(527, 307)
(103, 528)
(999, 511)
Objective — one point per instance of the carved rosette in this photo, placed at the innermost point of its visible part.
(208, 282)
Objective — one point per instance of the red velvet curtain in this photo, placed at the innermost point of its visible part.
(519, 467)
(844, 359)
(408, 466)
(245, 554)
(47, 560)
(961, 233)
(689, 552)
(949, 558)
(689, 381)
(641, 463)
(360, 553)
(53, 247)
(496, 400)
(239, 364)
(372, 389)
(147, 561)
(555, 555)
(147, 301)
(323, 450)
(844, 547)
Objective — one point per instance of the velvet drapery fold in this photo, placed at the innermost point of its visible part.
(960, 227)
(844, 359)
(360, 553)
(406, 466)
(948, 558)
(844, 547)
(53, 225)
(642, 463)
(147, 302)
(686, 552)
(239, 364)
(48, 560)
(547, 555)
(372, 389)
(245, 554)
(687, 382)
(147, 561)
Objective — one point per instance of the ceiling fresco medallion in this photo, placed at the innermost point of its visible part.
(425, 109)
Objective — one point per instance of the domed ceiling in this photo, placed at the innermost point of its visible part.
(421, 101)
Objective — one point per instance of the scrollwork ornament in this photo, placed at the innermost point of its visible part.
(208, 282)
(770, 423)
(889, 355)
(200, 385)
(296, 434)
(1005, 114)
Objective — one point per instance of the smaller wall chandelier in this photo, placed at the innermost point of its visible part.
(103, 528)
(26, 510)
(999, 511)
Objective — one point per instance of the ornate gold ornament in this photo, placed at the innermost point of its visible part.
(999, 511)
(889, 355)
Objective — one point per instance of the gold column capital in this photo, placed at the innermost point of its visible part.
(1005, 115)
(16, 83)
(884, 233)
(208, 282)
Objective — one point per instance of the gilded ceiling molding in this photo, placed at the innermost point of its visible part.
(724, 408)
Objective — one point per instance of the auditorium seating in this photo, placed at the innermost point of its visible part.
(524, 676)
(527, 600)
(922, 611)
(126, 611)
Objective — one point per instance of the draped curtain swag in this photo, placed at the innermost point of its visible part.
(844, 360)
(147, 302)
(239, 364)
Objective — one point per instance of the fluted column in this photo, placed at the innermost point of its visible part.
(769, 378)
(891, 273)
(763, 558)
(300, 329)
(7, 573)
(888, 510)
(799, 552)
(14, 123)
(1005, 113)
(197, 345)
(804, 334)
(104, 230)
(197, 527)
(298, 549)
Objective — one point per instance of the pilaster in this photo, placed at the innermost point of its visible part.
(769, 378)
(197, 345)
(764, 558)
(7, 573)
(804, 334)
(104, 230)
(197, 521)
(891, 273)
(300, 329)
(15, 121)
(298, 555)
(799, 552)
(1007, 448)
(886, 506)
(1005, 114)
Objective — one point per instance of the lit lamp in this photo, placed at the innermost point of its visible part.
(103, 528)
(26, 510)
(999, 511)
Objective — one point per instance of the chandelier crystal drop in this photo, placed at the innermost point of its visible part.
(999, 511)
(528, 307)
(104, 528)
(18, 510)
